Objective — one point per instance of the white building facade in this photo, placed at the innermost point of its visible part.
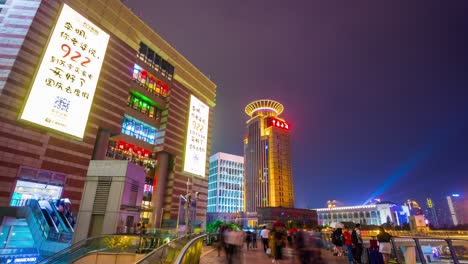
(226, 183)
(372, 214)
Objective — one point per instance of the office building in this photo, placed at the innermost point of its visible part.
(431, 213)
(267, 157)
(226, 183)
(458, 208)
(89, 80)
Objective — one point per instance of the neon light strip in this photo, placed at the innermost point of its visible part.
(264, 108)
(346, 208)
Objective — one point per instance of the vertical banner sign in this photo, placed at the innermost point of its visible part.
(197, 137)
(64, 86)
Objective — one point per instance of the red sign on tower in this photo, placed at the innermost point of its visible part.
(277, 123)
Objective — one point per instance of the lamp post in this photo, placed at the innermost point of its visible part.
(188, 203)
(331, 204)
(188, 200)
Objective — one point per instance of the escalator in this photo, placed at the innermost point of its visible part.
(49, 220)
(61, 218)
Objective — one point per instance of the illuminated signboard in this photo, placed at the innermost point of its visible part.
(197, 137)
(277, 123)
(64, 86)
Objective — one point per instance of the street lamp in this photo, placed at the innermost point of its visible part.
(331, 204)
(188, 203)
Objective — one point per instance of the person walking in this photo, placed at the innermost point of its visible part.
(248, 238)
(254, 239)
(337, 241)
(357, 243)
(385, 247)
(264, 236)
(348, 244)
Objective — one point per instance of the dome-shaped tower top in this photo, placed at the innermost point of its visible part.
(265, 107)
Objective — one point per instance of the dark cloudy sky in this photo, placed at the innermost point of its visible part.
(376, 91)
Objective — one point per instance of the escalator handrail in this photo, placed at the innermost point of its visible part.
(66, 222)
(187, 246)
(39, 217)
(162, 247)
(50, 219)
(59, 218)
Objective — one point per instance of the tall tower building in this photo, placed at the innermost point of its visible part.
(226, 183)
(267, 156)
(458, 207)
(432, 213)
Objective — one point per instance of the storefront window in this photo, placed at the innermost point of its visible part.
(152, 84)
(144, 106)
(25, 190)
(124, 151)
(138, 129)
(151, 112)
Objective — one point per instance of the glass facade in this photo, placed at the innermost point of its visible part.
(226, 184)
(144, 106)
(151, 83)
(138, 129)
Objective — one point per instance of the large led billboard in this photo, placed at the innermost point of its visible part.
(63, 88)
(197, 137)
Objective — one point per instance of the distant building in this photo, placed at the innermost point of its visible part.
(226, 183)
(291, 216)
(431, 213)
(267, 153)
(373, 214)
(458, 209)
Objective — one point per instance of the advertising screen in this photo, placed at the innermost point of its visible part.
(197, 137)
(64, 85)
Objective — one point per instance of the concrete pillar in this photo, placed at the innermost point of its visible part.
(158, 194)
(100, 146)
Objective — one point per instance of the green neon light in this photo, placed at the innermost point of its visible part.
(143, 98)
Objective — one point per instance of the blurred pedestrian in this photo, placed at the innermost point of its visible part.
(385, 247)
(357, 243)
(348, 244)
(337, 240)
(248, 238)
(264, 234)
(254, 239)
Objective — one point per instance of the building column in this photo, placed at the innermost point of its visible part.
(100, 146)
(158, 194)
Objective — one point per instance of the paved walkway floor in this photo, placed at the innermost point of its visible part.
(257, 256)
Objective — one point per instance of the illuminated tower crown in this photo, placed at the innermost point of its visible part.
(264, 107)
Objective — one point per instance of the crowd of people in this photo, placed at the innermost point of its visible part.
(349, 240)
(278, 243)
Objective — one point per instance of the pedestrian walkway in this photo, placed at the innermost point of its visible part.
(257, 256)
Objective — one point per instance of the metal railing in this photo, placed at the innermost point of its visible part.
(133, 244)
(169, 252)
(408, 249)
(191, 252)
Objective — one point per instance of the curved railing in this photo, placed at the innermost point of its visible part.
(170, 252)
(109, 244)
(191, 253)
(408, 249)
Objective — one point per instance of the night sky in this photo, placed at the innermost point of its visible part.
(376, 92)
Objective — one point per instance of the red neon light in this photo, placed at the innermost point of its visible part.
(277, 123)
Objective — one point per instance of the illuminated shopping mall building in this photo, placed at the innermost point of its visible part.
(267, 156)
(226, 183)
(90, 94)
